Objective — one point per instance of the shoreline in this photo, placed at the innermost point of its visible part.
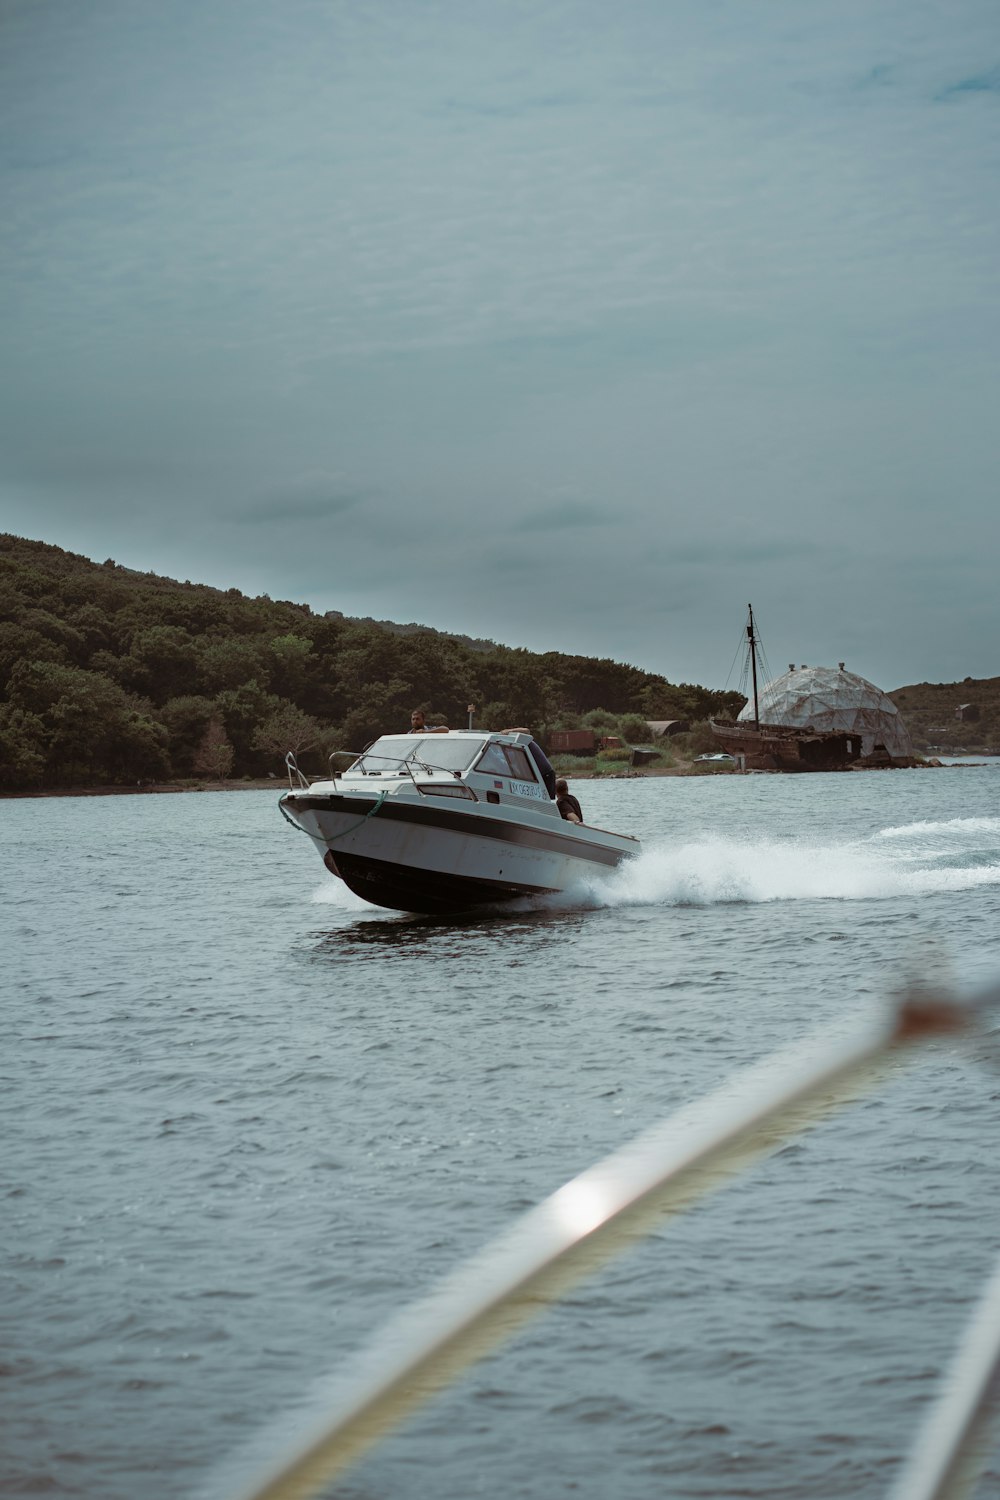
(155, 787)
(279, 785)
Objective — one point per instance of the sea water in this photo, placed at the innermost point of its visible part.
(246, 1119)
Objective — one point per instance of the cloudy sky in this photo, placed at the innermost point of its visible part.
(569, 324)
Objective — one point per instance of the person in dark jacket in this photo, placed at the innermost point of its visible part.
(567, 804)
(544, 765)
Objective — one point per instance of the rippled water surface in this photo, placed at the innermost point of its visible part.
(246, 1118)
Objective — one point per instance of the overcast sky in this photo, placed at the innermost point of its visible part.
(570, 324)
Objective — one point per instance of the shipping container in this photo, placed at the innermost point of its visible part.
(571, 742)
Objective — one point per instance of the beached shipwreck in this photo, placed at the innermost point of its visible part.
(782, 747)
(813, 719)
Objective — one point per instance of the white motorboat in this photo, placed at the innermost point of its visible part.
(443, 822)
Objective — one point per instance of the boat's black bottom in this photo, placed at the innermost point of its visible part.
(423, 891)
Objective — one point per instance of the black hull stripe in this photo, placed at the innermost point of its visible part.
(476, 825)
(424, 891)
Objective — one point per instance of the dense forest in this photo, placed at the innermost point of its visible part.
(110, 676)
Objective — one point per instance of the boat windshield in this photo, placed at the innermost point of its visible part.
(395, 755)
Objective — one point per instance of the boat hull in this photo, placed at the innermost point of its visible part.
(426, 892)
(418, 855)
(781, 747)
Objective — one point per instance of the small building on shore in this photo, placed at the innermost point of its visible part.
(664, 728)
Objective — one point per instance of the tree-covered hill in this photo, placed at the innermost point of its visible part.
(952, 716)
(108, 675)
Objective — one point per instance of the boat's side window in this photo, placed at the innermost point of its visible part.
(493, 760)
(507, 760)
(520, 765)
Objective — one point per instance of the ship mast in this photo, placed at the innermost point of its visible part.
(752, 643)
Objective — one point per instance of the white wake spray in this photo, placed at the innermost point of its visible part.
(917, 859)
(912, 859)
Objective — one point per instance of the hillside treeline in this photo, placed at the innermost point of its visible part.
(109, 676)
(933, 713)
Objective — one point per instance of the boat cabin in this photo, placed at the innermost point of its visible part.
(472, 765)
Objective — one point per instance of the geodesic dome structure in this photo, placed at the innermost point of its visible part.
(830, 698)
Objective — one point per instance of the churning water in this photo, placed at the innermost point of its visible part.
(247, 1118)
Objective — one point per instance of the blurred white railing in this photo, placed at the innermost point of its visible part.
(607, 1207)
